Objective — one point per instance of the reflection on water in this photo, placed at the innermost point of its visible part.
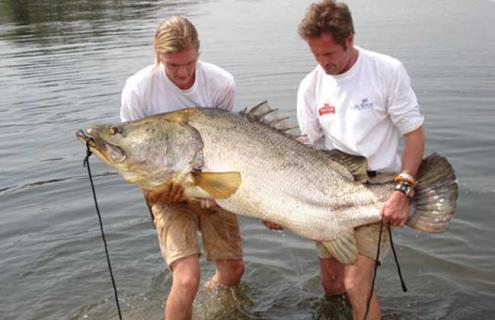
(62, 66)
(30, 13)
(55, 22)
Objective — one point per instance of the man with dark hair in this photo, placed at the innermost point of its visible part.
(360, 102)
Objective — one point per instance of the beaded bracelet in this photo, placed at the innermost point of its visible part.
(405, 177)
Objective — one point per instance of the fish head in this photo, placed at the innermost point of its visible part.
(146, 152)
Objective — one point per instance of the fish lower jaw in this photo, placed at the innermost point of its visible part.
(137, 180)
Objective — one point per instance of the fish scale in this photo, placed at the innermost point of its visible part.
(305, 194)
(252, 168)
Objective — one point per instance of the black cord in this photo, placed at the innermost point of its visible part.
(86, 164)
(402, 282)
(377, 263)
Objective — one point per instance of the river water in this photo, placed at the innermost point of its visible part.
(63, 64)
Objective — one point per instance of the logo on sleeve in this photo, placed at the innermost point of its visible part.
(326, 109)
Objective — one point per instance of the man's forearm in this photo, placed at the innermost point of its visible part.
(414, 145)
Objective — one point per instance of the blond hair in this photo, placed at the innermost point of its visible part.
(175, 34)
(327, 16)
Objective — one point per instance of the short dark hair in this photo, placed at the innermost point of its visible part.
(327, 16)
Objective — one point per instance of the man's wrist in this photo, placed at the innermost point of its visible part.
(406, 189)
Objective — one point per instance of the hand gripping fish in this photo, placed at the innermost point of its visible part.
(251, 166)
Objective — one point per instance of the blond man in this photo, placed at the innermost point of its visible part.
(177, 80)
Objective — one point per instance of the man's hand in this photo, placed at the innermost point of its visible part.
(395, 210)
(272, 225)
(171, 193)
(209, 204)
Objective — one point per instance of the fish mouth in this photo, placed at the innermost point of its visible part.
(84, 137)
(108, 152)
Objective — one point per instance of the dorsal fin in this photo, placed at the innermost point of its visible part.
(263, 113)
(356, 165)
(259, 112)
(351, 165)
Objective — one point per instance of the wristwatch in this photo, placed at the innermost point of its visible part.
(406, 189)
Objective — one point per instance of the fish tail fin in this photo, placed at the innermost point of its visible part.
(436, 193)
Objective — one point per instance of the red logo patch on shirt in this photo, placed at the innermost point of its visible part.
(326, 109)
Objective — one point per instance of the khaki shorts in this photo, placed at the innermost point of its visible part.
(367, 242)
(367, 235)
(177, 228)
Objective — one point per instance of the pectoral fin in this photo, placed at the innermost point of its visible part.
(343, 248)
(219, 185)
(196, 192)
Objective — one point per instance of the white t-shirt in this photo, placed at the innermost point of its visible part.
(150, 91)
(362, 111)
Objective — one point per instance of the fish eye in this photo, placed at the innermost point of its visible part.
(114, 130)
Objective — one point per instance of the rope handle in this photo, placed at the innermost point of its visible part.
(86, 164)
(377, 264)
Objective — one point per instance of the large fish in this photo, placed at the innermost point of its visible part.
(250, 166)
